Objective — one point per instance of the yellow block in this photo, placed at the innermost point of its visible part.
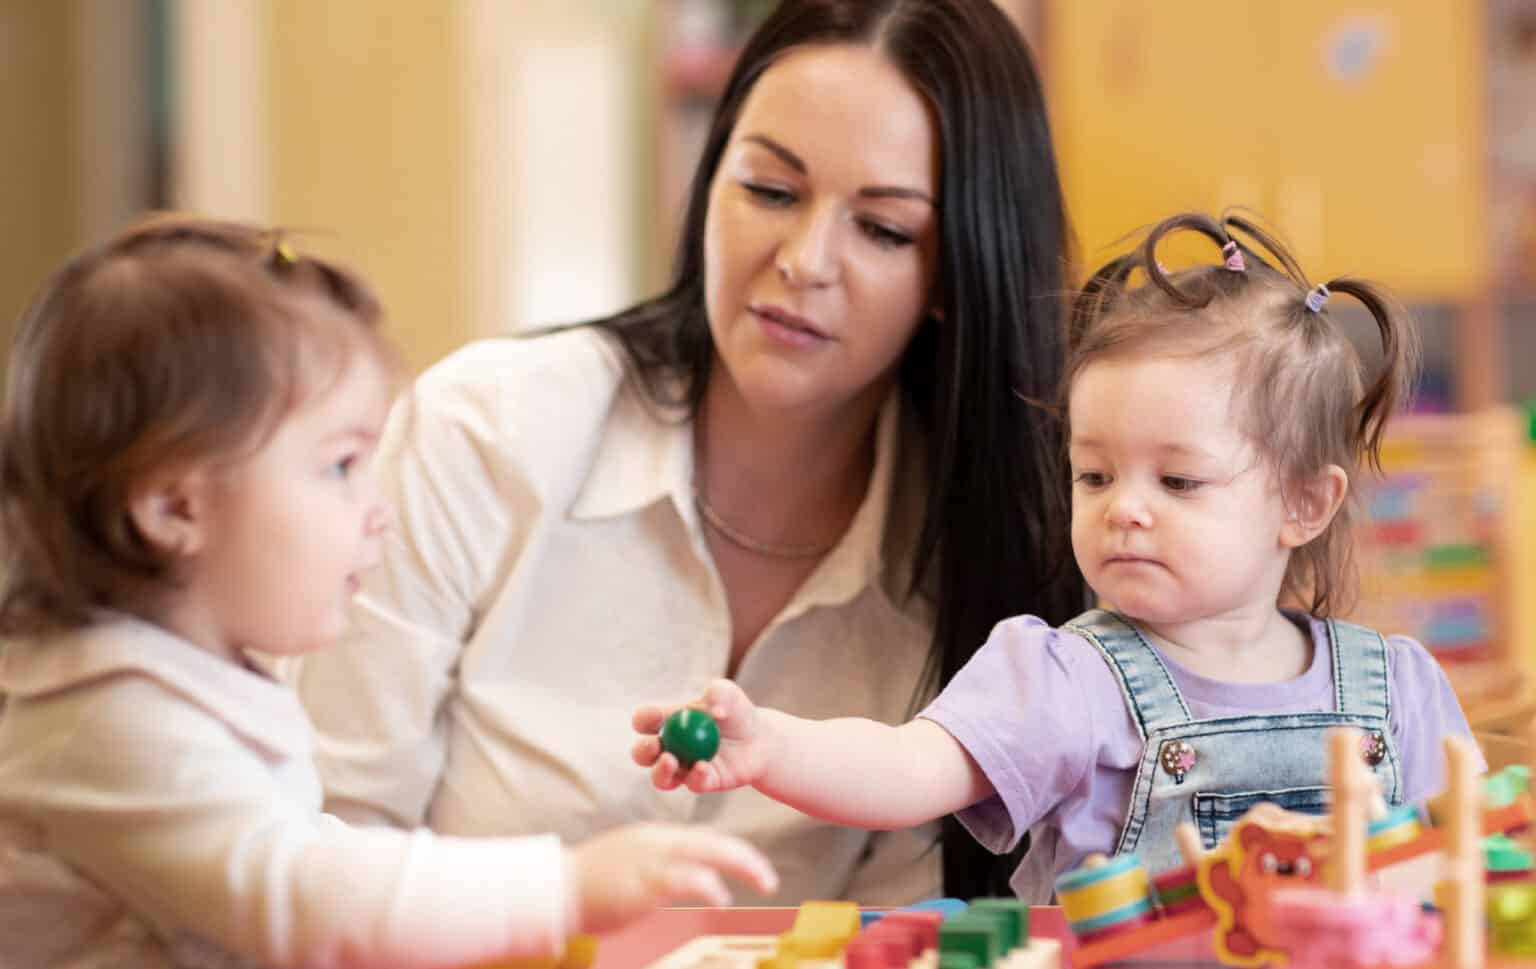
(827, 920)
(794, 948)
(821, 931)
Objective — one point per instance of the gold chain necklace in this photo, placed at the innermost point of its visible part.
(737, 538)
(750, 544)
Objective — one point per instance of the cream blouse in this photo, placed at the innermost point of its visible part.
(547, 574)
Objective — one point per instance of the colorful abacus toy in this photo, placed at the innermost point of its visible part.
(1318, 909)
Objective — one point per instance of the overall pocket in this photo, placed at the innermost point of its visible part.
(1215, 814)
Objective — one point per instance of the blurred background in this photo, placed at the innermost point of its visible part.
(502, 163)
(497, 164)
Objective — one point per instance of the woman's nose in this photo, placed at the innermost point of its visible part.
(809, 258)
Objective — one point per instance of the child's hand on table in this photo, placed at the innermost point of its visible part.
(614, 878)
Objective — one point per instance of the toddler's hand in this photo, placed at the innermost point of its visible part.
(617, 877)
(740, 760)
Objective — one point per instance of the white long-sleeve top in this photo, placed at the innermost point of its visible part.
(159, 806)
(547, 573)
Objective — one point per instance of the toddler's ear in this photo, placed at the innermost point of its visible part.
(170, 511)
(1311, 505)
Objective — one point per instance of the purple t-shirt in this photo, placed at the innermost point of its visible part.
(1044, 717)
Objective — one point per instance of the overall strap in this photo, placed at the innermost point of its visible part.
(1361, 682)
(1154, 700)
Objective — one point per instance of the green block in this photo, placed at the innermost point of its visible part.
(1012, 913)
(1502, 787)
(958, 960)
(974, 935)
(1501, 853)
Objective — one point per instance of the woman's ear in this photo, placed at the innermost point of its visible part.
(170, 510)
(1310, 507)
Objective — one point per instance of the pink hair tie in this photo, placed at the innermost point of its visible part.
(1318, 298)
(1234, 257)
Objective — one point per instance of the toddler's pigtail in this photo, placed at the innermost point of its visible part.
(1234, 226)
(1399, 365)
(1206, 286)
(1098, 296)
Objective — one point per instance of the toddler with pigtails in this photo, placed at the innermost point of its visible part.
(1218, 422)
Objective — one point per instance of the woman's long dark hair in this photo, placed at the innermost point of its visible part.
(995, 540)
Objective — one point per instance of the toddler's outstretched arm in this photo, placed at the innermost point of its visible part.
(851, 771)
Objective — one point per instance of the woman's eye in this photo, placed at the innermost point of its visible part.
(1091, 479)
(343, 468)
(769, 194)
(884, 235)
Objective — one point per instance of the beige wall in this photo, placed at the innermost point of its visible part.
(475, 158)
(552, 185)
(367, 142)
(77, 162)
(36, 192)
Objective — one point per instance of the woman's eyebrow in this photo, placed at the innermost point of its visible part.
(870, 191)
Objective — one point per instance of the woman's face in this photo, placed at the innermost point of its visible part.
(821, 242)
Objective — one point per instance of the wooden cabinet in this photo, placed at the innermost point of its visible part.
(1355, 128)
(1152, 112)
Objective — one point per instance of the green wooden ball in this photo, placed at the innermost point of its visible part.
(690, 735)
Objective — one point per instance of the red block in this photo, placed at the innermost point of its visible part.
(924, 925)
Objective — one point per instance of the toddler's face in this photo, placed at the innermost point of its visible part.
(293, 528)
(1175, 517)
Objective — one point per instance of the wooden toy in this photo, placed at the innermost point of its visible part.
(1345, 924)
(1401, 825)
(1105, 896)
(1269, 849)
(1177, 891)
(987, 934)
(1263, 891)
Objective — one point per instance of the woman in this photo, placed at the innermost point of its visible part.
(812, 464)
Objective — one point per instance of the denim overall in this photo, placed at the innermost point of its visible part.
(1228, 764)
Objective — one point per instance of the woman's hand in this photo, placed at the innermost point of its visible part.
(744, 742)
